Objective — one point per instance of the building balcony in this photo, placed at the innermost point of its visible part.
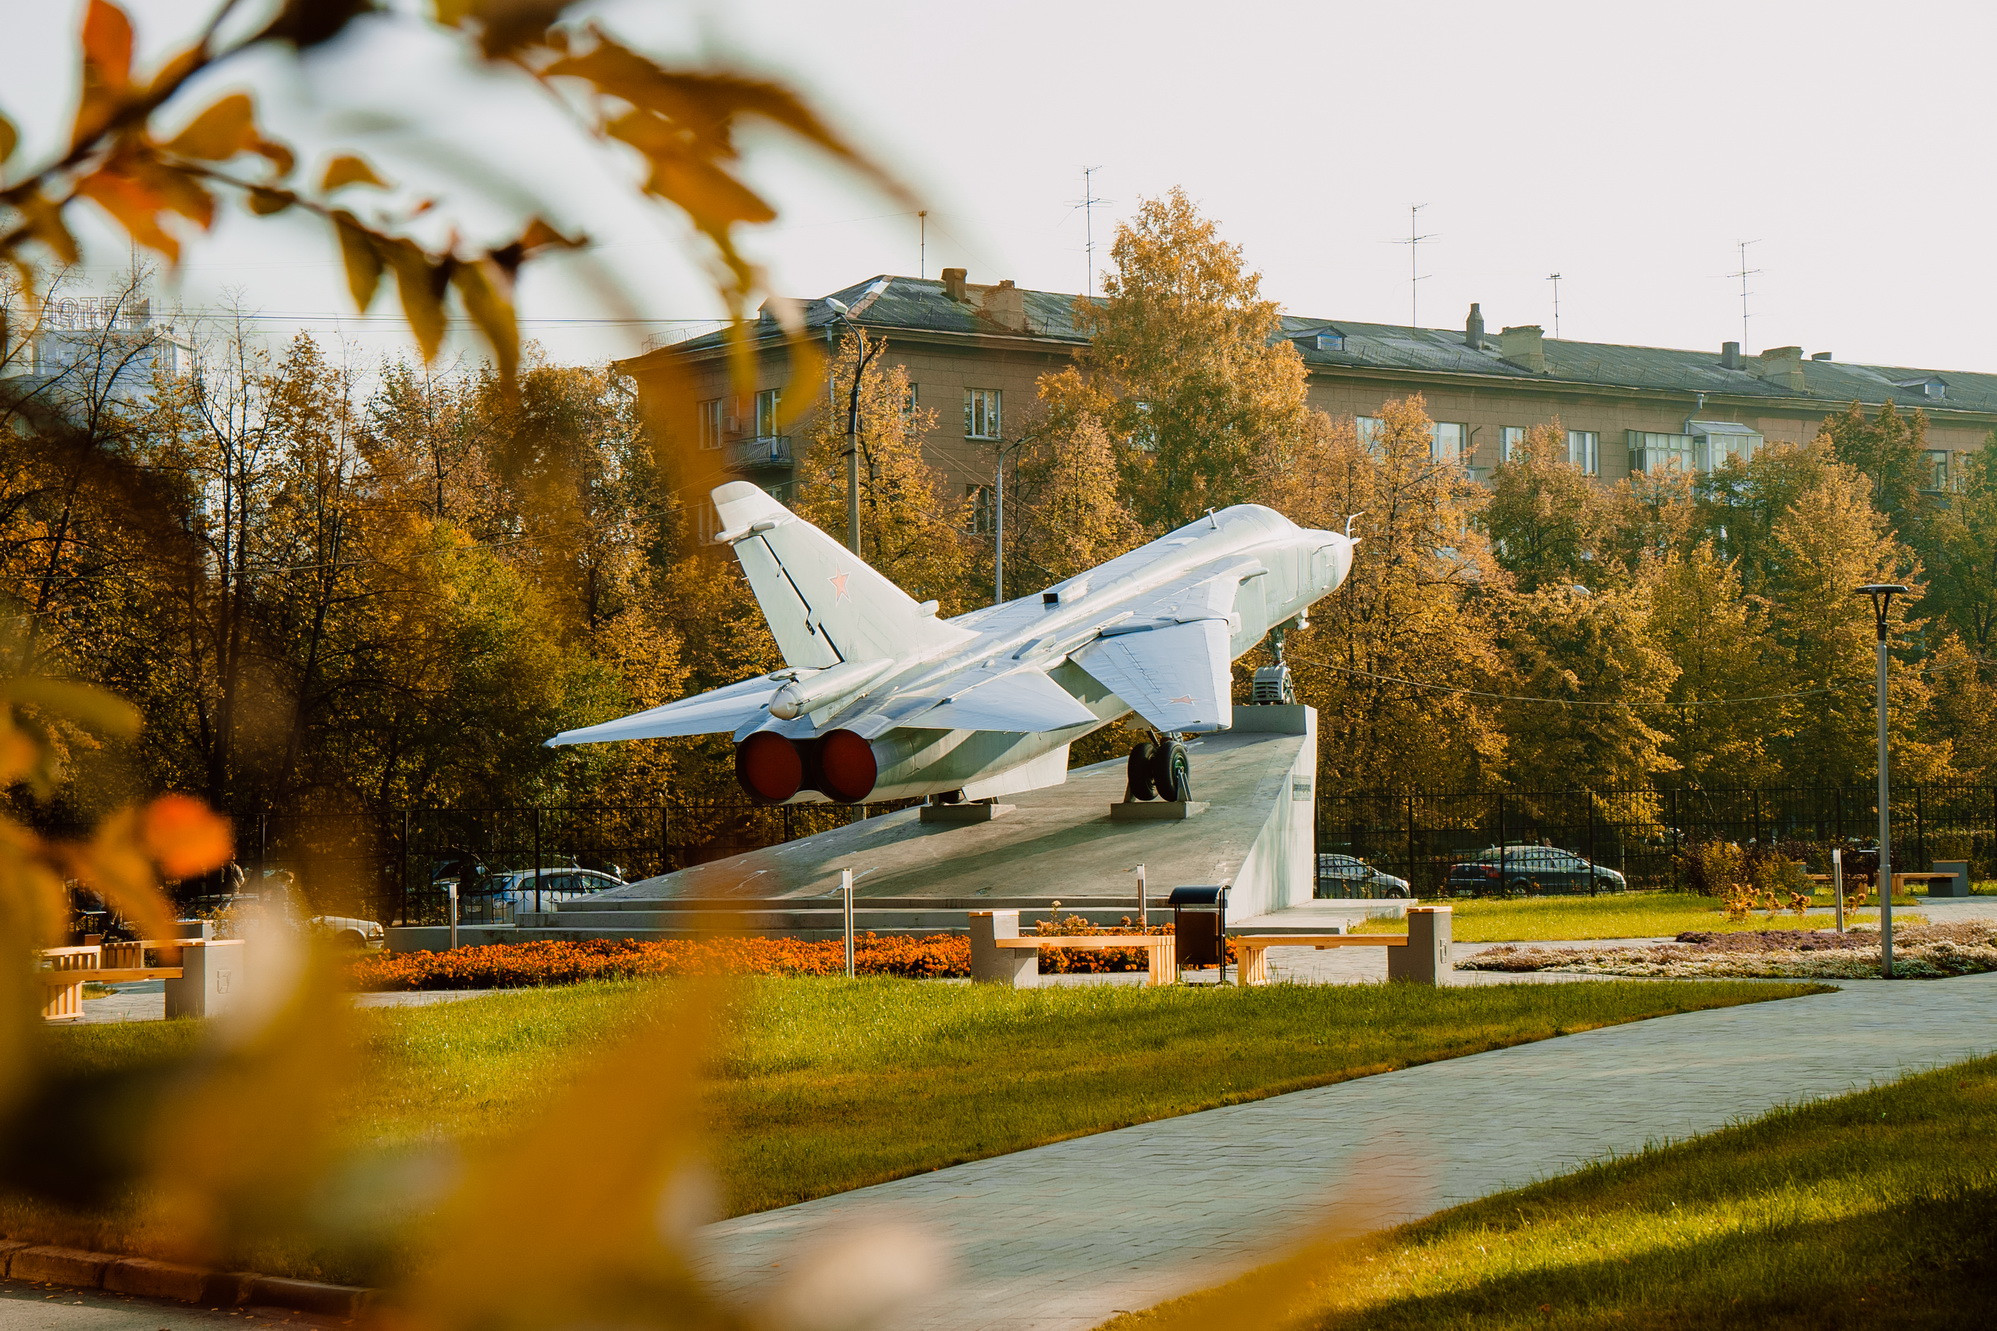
(756, 454)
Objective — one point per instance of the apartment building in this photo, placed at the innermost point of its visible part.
(974, 352)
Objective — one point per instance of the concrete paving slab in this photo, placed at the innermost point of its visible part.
(1068, 1234)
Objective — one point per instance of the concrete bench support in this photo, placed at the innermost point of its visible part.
(210, 981)
(1425, 960)
(992, 964)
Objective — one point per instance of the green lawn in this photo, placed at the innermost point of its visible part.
(835, 1084)
(1623, 915)
(1876, 1209)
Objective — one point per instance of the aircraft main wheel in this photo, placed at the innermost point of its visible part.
(1172, 772)
(1141, 772)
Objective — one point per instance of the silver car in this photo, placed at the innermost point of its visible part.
(1349, 876)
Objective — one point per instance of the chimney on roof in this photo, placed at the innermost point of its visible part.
(1730, 355)
(953, 284)
(1782, 366)
(1005, 305)
(1820, 355)
(1473, 329)
(1524, 346)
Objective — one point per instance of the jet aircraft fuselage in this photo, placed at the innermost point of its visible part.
(880, 699)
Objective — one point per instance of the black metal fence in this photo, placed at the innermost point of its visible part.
(383, 866)
(1640, 833)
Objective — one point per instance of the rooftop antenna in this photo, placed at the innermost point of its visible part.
(1555, 279)
(1744, 273)
(1415, 275)
(1087, 203)
(922, 244)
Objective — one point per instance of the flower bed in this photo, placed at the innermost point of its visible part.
(1920, 952)
(528, 965)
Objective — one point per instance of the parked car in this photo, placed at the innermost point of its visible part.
(1518, 871)
(347, 931)
(1349, 876)
(497, 898)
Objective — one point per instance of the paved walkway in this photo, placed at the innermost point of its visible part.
(1064, 1236)
(145, 1000)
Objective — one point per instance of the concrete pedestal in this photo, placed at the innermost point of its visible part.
(957, 815)
(1425, 960)
(211, 978)
(1955, 887)
(991, 964)
(1155, 811)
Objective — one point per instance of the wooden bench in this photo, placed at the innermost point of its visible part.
(1424, 957)
(1163, 948)
(1900, 880)
(1000, 954)
(63, 971)
(1251, 949)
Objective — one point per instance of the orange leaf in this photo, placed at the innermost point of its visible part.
(186, 836)
(116, 867)
(485, 300)
(421, 283)
(44, 218)
(362, 258)
(347, 169)
(9, 136)
(135, 205)
(264, 202)
(219, 133)
(107, 43)
(107, 68)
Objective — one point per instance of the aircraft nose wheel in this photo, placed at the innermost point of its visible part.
(1159, 770)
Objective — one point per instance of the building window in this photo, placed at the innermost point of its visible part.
(1650, 451)
(1511, 442)
(1716, 441)
(1937, 460)
(1446, 440)
(766, 413)
(1584, 450)
(711, 416)
(982, 413)
(1370, 428)
(978, 507)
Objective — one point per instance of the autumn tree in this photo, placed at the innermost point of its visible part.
(1888, 450)
(909, 529)
(1718, 637)
(1388, 656)
(1064, 510)
(1828, 542)
(1962, 556)
(1542, 513)
(1183, 367)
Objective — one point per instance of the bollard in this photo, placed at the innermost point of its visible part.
(1426, 957)
(1837, 884)
(453, 888)
(1143, 901)
(992, 964)
(846, 892)
(211, 978)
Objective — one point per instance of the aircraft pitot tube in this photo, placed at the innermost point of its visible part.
(880, 699)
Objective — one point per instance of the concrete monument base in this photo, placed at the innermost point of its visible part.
(1155, 811)
(955, 815)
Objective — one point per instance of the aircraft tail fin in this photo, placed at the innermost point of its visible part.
(823, 603)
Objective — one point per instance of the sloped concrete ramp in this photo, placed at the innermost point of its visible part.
(1256, 834)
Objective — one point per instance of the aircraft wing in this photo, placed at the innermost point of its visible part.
(703, 714)
(1024, 701)
(1171, 661)
(1176, 677)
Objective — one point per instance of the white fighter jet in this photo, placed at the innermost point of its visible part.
(880, 699)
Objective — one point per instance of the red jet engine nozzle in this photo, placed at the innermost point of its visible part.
(770, 767)
(846, 767)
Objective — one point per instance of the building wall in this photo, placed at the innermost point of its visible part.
(942, 370)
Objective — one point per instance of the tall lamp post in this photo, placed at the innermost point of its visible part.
(864, 354)
(1882, 594)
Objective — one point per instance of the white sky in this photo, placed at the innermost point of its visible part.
(1628, 147)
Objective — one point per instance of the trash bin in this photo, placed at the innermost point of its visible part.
(1199, 926)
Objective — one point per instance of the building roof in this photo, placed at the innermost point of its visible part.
(887, 303)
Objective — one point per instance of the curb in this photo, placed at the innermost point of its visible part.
(80, 1269)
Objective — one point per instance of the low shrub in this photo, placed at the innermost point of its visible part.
(535, 964)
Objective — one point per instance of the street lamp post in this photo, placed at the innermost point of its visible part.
(864, 354)
(1882, 594)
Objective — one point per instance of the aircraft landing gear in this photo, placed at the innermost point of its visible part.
(1159, 769)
